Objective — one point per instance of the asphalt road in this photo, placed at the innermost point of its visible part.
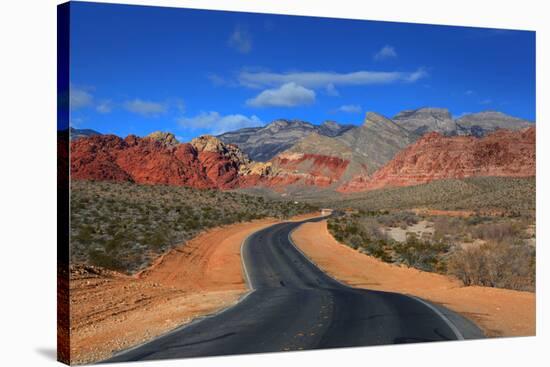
(294, 305)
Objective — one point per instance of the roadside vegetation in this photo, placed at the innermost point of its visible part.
(511, 196)
(495, 251)
(123, 226)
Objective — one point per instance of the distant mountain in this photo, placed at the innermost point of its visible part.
(440, 120)
(82, 133)
(329, 162)
(263, 143)
(424, 120)
(479, 124)
(377, 140)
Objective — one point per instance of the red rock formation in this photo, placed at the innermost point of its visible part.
(307, 169)
(206, 162)
(434, 157)
(152, 161)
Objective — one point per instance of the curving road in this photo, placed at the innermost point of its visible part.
(293, 305)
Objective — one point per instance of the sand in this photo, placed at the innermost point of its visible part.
(498, 312)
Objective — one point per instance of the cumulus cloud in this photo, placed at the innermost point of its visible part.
(350, 108)
(240, 40)
(145, 108)
(386, 52)
(320, 79)
(79, 98)
(215, 123)
(287, 95)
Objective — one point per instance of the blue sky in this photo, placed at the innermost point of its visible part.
(138, 69)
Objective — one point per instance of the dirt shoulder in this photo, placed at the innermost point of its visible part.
(112, 311)
(499, 312)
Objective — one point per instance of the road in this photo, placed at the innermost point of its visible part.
(293, 305)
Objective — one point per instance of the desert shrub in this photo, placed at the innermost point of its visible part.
(499, 232)
(114, 217)
(513, 196)
(494, 264)
(420, 254)
(99, 258)
(398, 219)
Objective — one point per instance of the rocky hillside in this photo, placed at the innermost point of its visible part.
(159, 158)
(479, 124)
(296, 155)
(316, 160)
(504, 153)
(263, 143)
(377, 140)
(422, 120)
(440, 120)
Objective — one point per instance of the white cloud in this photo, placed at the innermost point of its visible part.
(288, 95)
(104, 106)
(469, 92)
(331, 90)
(145, 108)
(215, 123)
(486, 101)
(79, 98)
(386, 52)
(350, 108)
(320, 79)
(240, 40)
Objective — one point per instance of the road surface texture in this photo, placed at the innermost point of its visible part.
(293, 305)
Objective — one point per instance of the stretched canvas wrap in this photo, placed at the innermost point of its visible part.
(234, 183)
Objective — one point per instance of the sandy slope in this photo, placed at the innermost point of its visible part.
(499, 312)
(111, 311)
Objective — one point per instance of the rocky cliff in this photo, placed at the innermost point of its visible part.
(434, 157)
(206, 162)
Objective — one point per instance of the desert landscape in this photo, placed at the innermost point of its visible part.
(157, 225)
(228, 184)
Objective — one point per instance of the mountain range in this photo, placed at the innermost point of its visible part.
(413, 147)
(263, 143)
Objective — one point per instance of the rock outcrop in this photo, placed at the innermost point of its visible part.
(164, 138)
(316, 160)
(434, 157)
(206, 162)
